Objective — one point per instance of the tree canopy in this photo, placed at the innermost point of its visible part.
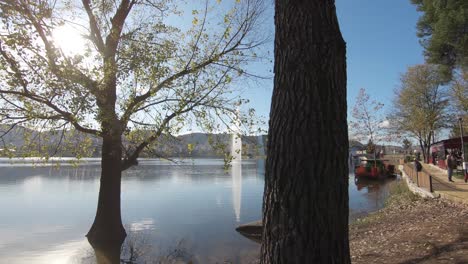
(420, 107)
(140, 69)
(443, 32)
(459, 92)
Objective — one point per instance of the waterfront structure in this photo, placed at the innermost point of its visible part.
(440, 149)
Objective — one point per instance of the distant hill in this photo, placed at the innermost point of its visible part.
(25, 142)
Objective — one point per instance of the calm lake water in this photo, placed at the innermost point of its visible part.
(184, 211)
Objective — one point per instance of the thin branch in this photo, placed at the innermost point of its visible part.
(195, 45)
(75, 75)
(66, 115)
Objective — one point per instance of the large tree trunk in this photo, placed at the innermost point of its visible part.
(107, 230)
(305, 207)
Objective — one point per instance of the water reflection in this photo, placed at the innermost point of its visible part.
(367, 195)
(236, 172)
(47, 210)
(138, 248)
(371, 186)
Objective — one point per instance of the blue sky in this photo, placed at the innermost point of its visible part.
(381, 43)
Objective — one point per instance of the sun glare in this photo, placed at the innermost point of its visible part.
(69, 40)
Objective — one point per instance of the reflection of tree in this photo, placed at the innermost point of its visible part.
(17, 174)
(137, 249)
(79, 173)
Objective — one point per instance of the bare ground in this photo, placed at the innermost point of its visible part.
(412, 230)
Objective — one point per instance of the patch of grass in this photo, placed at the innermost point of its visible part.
(400, 194)
(367, 220)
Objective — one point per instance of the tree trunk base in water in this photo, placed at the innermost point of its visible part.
(106, 237)
(107, 254)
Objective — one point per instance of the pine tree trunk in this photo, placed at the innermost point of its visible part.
(305, 207)
(107, 230)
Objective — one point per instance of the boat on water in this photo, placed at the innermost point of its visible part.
(373, 168)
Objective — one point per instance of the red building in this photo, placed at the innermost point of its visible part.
(440, 149)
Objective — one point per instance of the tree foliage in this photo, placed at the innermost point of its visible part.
(459, 88)
(406, 144)
(370, 147)
(443, 32)
(459, 92)
(420, 107)
(139, 71)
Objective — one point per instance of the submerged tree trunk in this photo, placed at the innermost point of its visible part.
(108, 254)
(107, 229)
(305, 206)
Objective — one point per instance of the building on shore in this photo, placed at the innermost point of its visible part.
(440, 149)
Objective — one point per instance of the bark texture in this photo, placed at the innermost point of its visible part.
(305, 207)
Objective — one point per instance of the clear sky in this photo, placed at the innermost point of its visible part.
(381, 43)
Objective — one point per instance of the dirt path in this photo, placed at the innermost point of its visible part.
(412, 230)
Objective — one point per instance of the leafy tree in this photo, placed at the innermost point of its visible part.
(406, 145)
(305, 204)
(420, 107)
(142, 75)
(371, 148)
(459, 91)
(442, 29)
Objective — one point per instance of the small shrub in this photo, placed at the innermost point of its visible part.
(408, 158)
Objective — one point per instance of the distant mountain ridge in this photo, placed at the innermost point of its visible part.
(22, 142)
(26, 142)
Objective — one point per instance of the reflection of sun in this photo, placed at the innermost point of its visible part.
(69, 40)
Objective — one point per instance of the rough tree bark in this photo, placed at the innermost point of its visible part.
(305, 207)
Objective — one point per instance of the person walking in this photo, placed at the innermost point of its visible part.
(450, 163)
